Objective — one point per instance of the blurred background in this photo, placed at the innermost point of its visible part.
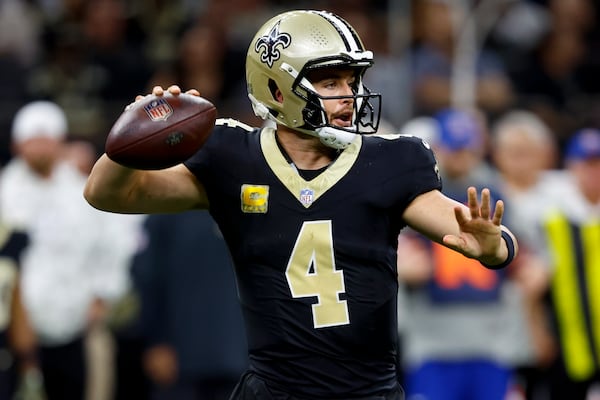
(93, 57)
(531, 65)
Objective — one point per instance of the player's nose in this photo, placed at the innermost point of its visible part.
(347, 91)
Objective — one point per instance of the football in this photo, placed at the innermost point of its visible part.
(158, 132)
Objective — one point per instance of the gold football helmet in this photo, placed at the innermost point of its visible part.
(284, 50)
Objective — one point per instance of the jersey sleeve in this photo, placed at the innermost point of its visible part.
(227, 137)
(418, 169)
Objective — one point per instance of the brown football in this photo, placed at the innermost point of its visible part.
(158, 132)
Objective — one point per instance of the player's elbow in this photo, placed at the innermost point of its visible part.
(102, 198)
(94, 197)
(109, 186)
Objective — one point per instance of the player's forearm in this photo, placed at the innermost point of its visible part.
(110, 186)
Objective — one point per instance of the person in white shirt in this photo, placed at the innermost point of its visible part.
(77, 262)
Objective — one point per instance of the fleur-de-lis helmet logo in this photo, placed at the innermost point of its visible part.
(270, 43)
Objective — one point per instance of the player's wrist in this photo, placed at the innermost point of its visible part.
(509, 248)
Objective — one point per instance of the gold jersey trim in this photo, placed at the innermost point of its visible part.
(289, 176)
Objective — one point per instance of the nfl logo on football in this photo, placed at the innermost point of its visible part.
(158, 110)
(307, 197)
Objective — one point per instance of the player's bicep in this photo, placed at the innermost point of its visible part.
(432, 214)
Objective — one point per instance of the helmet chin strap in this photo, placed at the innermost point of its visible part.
(338, 139)
(260, 110)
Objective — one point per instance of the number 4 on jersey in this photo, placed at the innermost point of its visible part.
(311, 273)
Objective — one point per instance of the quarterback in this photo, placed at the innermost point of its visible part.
(311, 205)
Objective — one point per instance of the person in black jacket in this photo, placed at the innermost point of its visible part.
(190, 318)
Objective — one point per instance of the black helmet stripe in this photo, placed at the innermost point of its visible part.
(348, 34)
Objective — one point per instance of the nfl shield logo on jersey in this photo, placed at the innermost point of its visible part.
(158, 110)
(306, 197)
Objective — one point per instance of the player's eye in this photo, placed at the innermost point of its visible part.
(330, 84)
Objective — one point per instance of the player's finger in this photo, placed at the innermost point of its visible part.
(193, 92)
(498, 213)
(461, 218)
(472, 202)
(137, 98)
(158, 91)
(453, 241)
(174, 89)
(485, 204)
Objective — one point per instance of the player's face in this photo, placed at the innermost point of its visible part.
(329, 82)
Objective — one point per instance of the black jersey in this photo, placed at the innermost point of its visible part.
(12, 244)
(315, 260)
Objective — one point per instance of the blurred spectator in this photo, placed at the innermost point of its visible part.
(75, 265)
(557, 79)
(19, 368)
(161, 23)
(241, 17)
(434, 50)
(572, 231)
(64, 76)
(91, 67)
(459, 320)
(20, 29)
(548, 84)
(461, 147)
(572, 15)
(524, 152)
(205, 60)
(389, 74)
(19, 48)
(192, 321)
(82, 154)
(109, 46)
(201, 61)
(424, 127)
(12, 80)
(521, 27)
(130, 381)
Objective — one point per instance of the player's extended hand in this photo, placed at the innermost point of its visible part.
(480, 232)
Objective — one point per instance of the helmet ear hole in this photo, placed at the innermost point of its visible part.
(275, 92)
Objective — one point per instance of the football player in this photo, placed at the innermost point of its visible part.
(311, 210)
